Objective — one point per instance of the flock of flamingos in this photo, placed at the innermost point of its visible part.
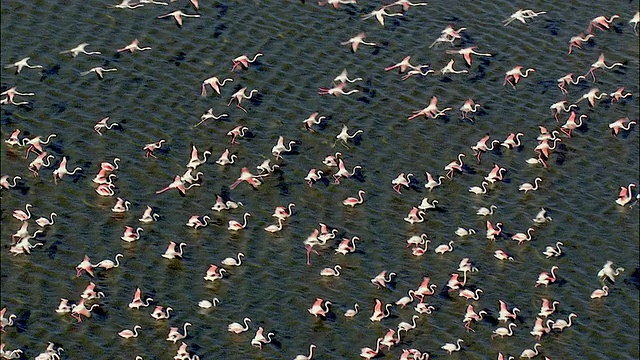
(333, 171)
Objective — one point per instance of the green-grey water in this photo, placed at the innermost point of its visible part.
(156, 95)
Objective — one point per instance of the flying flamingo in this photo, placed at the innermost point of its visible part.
(405, 4)
(150, 148)
(571, 123)
(336, 90)
(561, 106)
(36, 143)
(178, 15)
(215, 84)
(469, 106)
(344, 78)
(243, 61)
(98, 70)
(179, 185)
(313, 176)
(522, 16)
(62, 170)
(343, 172)
(403, 65)
(600, 64)
(80, 49)
(357, 40)
(209, 115)
(133, 46)
(619, 124)
(430, 111)
(619, 94)
(466, 53)
(379, 15)
(449, 34)
(19, 65)
(280, 147)
(601, 22)
(576, 41)
(513, 76)
(344, 135)
(545, 278)
(245, 175)
(313, 119)
(568, 80)
(102, 124)
(239, 95)
(80, 310)
(448, 69)
(11, 94)
(400, 181)
(591, 96)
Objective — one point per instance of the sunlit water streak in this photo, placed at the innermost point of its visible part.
(156, 95)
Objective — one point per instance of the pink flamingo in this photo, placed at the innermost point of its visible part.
(150, 148)
(493, 231)
(576, 41)
(19, 65)
(598, 293)
(528, 187)
(380, 312)
(42, 160)
(236, 132)
(215, 84)
(62, 170)
(561, 106)
(85, 265)
(548, 307)
(481, 146)
(601, 22)
(81, 310)
(313, 119)
(336, 90)
(171, 252)
(160, 313)
(247, 176)
(313, 176)
(343, 172)
(568, 80)
(214, 273)
(347, 245)
(178, 15)
(317, 308)
(11, 94)
(415, 216)
(505, 314)
(571, 123)
(545, 278)
(137, 301)
(425, 288)
(625, 195)
(430, 111)
(455, 165)
(133, 47)
(432, 183)
(381, 280)
(471, 315)
(357, 40)
(400, 181)
(513, 76)
(380, 14)
(239, 95)
(282, 212)
(179, 185)
(600, 64)
(369, 353)
(468, 106)
(236, 226)
(522, 237)
(619, 94)
(403, 65)
(131, 235)
(466, 53)
(243, 61)
(102, 124)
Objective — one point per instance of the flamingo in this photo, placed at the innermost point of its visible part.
(430, 111)
(280, 147)
(215, 84)
(336, 90)
(5, 184)
(423, 308)
(483, 211)
(382, 279)
(131, 235)
(352, 201)
(23, 215)
(206, 304)
(405, 326)
(343, 172)
(379, 311)
(598, 293)
(379, 15)
(443, 248)
(243, 61)
(405, 300)
(468, 294)
(171, 252)
(400, 181)
(368, 353)
(282, 212)
(619, 124)
(129, 333)
(469, 106)
(576, 41)
(108, 264)
(335, 271)
(179, 185)
(352, 312)
(478, 190)
(513, 76)
(450, 348)
(522, 237)
(260, 339)
(571, 124)
(502, 255)
(455, 165)
(239, 95)
(505, 314)
(389, 339)
(548, 307)
(481, 146)
(528, 353)
(245, 175)
(344, 135)
(149, 216)
(214, 273)
(545, 278)
(209, 115)
(177, 16)
(236, 226)
(493, 231)
(418, 251)
(600, 64)
(62, 170)
(522, 15)
(425, 288)
(137, 301)
(471, 315)
(347, 245)
(317, 310)
(81, 310)
(448, 69)
(174, 334)
(454, 283)
(195, 222)
(425, 204)
(551, 251)
(432, 183)
(541, 217)
(512, 141)
(85, 265)
(528, 187)
(502, 332)
(607, 272)
(414, 216)
(273, 227)
(312, 346)
(561, 324)
(232, 261)
(601, 22)
(357, 40)
(625, 195)
(237, 328)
